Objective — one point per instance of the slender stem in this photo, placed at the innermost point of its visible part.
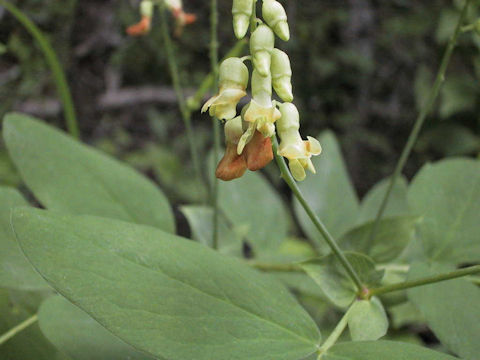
(253, 19)
(54, 64)
(336, 333)
(468, 28)
(425, 281)
(215, 121)
(14, 331)
(432, 96)
(275, 267)
(174, 73)
(316, 221)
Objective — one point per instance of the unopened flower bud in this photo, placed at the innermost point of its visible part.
(242, 12)
(262, 43)
(282, 75)
(296, 150)
(276, 17)
(233, 82)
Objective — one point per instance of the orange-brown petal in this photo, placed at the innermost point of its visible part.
(232, 165)
(258, 152)
(141, 28)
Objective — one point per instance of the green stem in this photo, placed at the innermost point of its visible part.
(336, 333)
(174, 73)
(275, 267)
(425, 281)
(253, 19)
(316, 221)
(54, 64)
(468, 28)
(20, 327)
(432, 96)
(216, 124)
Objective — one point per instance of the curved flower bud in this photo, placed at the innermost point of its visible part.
(261, 111)
(242, 12)
(276, 17)
(233, 82)
(142, 27)
(296, 150)
(262, 43)
(232, 165)
(282, 75)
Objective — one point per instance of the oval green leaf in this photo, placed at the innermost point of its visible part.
(392, 237)
(167, 296)
(367, 320)
(447, 195)
(70, 177)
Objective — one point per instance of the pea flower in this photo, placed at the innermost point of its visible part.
(276, 17)
(297, 151)
(233, 82)
(257, 154)
(282, 75)
(262, 43)
(142, 27)
(242, 12)
(146, 11)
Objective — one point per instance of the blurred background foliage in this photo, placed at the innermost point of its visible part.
(361, 68)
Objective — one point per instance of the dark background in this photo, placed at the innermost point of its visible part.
(361, 68)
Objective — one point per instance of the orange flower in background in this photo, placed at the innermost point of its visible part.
(141, 28)
(146, 10)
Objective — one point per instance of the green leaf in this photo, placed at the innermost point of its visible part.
(252, 204)
(392, 237)
(451, 309)
(330, 192)
(382, 350)
(396, 206)
(68, 176)
(75, 333)
(164, 295)
(446, 194)
(29, 344)
(332, 278)
(200, 219)
(367, 320)
(15, 270)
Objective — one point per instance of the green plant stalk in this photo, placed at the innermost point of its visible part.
(17, 329)
(425, 281)
(54, 64)
(336, 333)
(215, 121)
(174, 73)
(432, 96)
(316, 221)
(275, 267)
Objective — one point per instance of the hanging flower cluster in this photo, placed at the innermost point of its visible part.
(146, 12)
(248, 144)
